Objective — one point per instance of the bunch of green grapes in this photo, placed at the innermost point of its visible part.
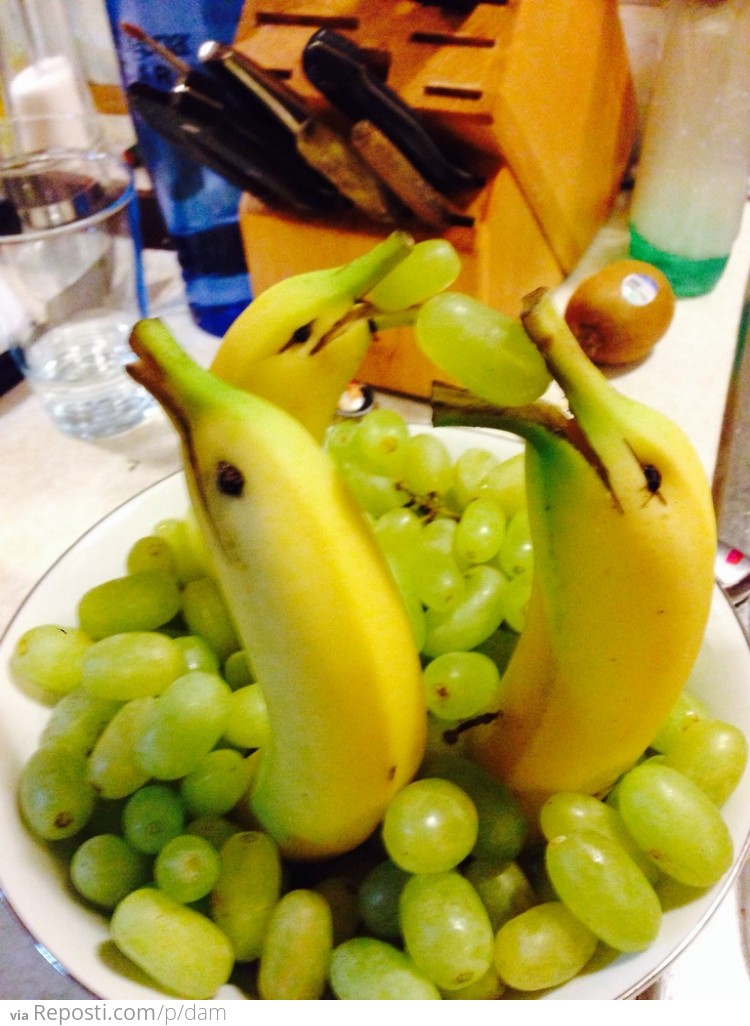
(148, 757)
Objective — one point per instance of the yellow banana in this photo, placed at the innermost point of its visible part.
(624, 537)
(269, 349)
(312, 598)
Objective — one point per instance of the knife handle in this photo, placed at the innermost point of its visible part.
(337, 68)
(403, 179)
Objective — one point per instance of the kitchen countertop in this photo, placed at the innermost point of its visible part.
(54, 488)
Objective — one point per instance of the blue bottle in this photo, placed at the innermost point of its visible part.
(199, 207)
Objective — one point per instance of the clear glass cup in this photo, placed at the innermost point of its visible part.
(71, 285)
(41, 74)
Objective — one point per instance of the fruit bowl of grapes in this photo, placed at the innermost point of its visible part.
(67, 890)
(355, 710)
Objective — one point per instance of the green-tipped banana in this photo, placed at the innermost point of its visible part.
(269, 349)
(624, 538)
(312, 598)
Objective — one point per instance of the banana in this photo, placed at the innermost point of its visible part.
(624, 538)
(312, 598)
(269, 348)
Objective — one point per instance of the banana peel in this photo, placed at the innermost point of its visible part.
(313, 601)
(624, 537)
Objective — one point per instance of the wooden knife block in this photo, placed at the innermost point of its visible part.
(535, 95)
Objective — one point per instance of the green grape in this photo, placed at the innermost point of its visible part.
(505, 484)
(516, 600)
(216, 783)
(197, 542)
(151, 553)
(437, 535)
(246, 892)
(137, 602)
(503, 887)
(339, 440)
(133, 665)
(187, 868)
(368, 969)
(543, 947)
(480, 531)
(502, 827)
(566, 812)
(437, 580)
(469, 473)
(427, 468)
(604, 888)
(379, 897)
(516, 553)
(398, 531)
(238, 671)
(152, 816)
(379, 443)
(447, 932)
(78, 719)
(248, 725)
(488, 352)
(205, 613)
(55, 798)
(296, 948)
(684, 713)
(430, 267)
(215, 829)
(375, 493)
(487, 988)
(713, 754)
(182, 950)
(412, 605)
(105, 868)
(679, 826)
(341, 896)
(113, 769)
(183, 725)
(459, 685)
(430, 826)
(473, 620)
(196, 654)
(50, 657)
(189, 558)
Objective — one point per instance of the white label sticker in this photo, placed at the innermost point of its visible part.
(638, 289)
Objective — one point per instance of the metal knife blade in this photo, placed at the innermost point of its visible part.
(338, 68)
(731, 483)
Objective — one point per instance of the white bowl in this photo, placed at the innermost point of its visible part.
(34, 880)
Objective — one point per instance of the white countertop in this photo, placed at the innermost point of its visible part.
(53, 488)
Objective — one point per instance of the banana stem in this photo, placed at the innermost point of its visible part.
(168, 373)
(582, 382)
(385, 320)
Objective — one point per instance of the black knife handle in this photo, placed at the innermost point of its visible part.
(209, 146)
(337, 68)
(249, 143)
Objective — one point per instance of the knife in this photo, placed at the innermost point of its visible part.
(322, 147)
(731, 488)
(339, 69)
(200, 134)
(415, 192)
